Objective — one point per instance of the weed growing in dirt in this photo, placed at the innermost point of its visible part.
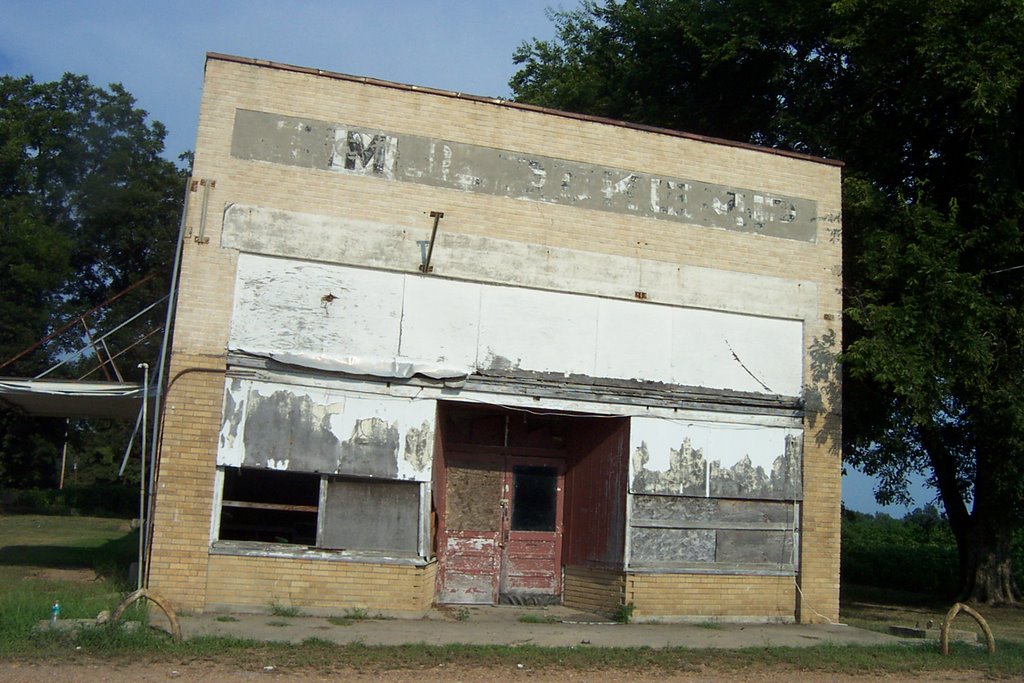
(279, 610)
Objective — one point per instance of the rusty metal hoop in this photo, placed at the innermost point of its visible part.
(156, 600)
(951, 614)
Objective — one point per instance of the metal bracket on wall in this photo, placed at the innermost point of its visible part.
(207, 185)
(425, 267)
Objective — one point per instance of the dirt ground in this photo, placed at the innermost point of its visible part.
(210, 671)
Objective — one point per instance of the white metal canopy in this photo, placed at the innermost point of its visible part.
(61, 398)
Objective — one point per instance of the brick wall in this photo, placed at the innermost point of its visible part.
(594, 590)
(317, 586)
(696, 596)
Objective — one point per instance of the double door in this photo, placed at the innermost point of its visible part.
(502, 529)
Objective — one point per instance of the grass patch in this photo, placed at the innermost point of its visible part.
(327, 657)
(227, 618)
(81, 562)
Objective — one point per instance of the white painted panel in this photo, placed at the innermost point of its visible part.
(342, 319)
(440, 321)
(634, 341)
(744, 353)
(527, 329)
(316, 428)
(286, 305)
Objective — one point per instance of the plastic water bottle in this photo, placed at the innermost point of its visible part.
(54, 613)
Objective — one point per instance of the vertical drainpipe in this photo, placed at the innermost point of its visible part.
(158, 387)
(143, 516)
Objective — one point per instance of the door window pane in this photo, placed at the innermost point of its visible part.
(534, 498)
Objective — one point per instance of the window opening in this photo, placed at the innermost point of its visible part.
(269, 506)
(534, 498)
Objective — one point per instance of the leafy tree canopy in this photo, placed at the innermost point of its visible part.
(923, 101)
(87, 207)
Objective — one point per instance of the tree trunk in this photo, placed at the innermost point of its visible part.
(986, 569)
(983, 536)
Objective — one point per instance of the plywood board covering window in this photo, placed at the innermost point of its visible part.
(371, 515)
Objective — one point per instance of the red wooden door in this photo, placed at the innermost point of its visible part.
(531, 544)
(502, 535)
(472, 530)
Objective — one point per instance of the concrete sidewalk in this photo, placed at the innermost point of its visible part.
(561, 627)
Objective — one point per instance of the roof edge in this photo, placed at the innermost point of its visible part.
(497, 101)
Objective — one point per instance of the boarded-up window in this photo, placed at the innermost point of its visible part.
(473, 491)
(372, 515)
(274, 506)
(684, 532)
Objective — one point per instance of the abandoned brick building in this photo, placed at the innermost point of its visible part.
(435, 348)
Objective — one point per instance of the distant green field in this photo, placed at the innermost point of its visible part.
(49, 541)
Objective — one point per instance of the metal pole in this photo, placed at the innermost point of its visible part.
(64, 453)
(142, 477)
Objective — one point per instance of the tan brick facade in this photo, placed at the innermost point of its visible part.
(698, 597)
(317, 587)
(181, 564)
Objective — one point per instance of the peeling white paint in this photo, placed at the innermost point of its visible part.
(342, 412)
(727, 444)
(393, 325)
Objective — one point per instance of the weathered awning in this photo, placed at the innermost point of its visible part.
(60, 398)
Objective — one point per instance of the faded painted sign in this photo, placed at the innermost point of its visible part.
(738, 461)
(305, 429)
(534, 177)
(387, 324)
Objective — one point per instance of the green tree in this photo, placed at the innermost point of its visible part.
(87, 207)
(923, 101)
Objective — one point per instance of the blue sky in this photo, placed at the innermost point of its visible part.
(156, 50)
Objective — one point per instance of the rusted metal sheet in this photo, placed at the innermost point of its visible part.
(461, 166)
